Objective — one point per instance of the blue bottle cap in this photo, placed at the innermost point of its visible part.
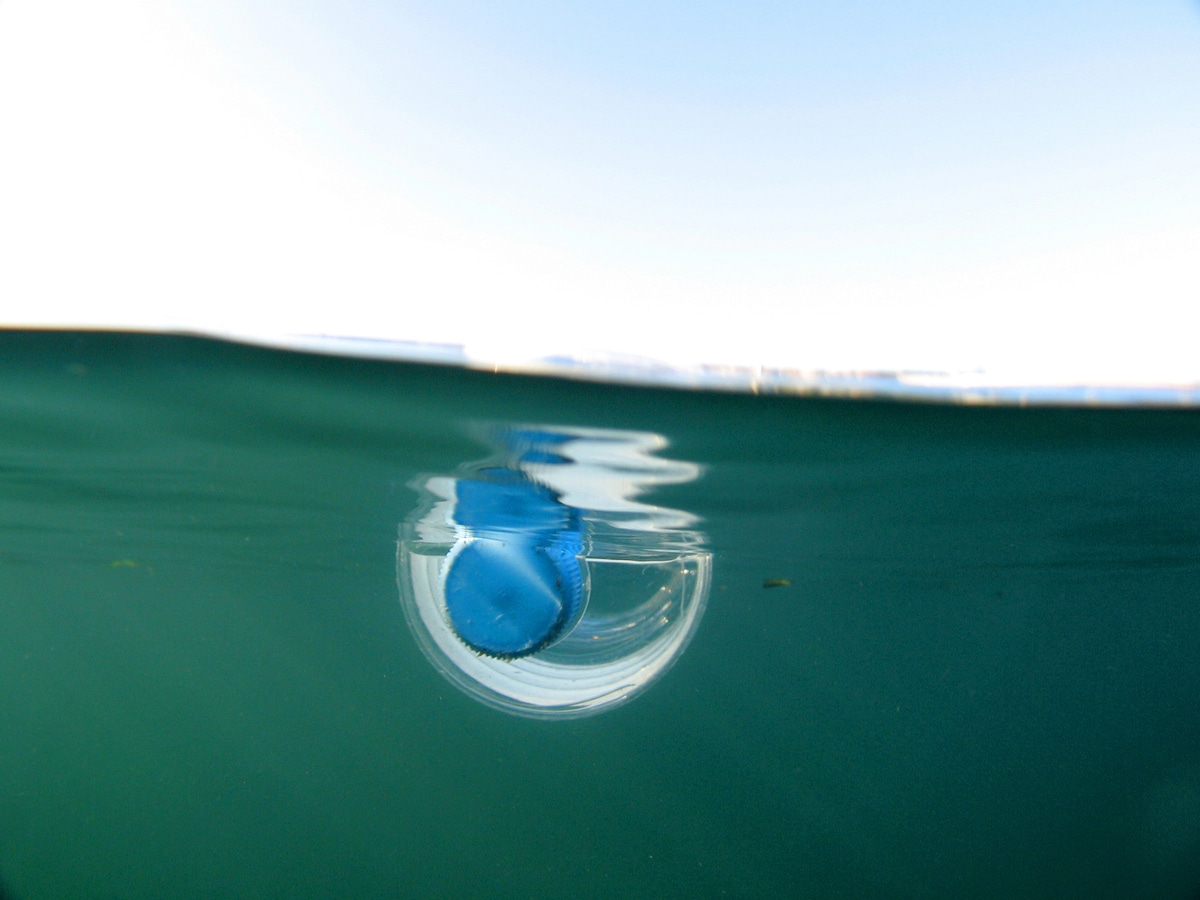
(510, 598)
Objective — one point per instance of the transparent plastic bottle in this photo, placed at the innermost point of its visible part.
(539, 583)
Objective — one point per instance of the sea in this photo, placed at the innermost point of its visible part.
(940, 650)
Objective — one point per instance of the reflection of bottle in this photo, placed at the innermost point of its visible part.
(541, 585)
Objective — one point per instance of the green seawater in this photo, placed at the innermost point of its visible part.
(982, 679)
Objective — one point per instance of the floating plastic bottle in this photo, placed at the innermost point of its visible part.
(537, 580)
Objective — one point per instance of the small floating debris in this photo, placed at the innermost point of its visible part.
(777, 582)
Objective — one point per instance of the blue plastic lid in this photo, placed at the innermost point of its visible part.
(508, 598)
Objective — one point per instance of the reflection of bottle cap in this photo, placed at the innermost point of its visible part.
(509, 598)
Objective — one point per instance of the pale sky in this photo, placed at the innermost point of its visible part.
(998, 188)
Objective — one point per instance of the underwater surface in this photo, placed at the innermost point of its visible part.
(943, 651)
